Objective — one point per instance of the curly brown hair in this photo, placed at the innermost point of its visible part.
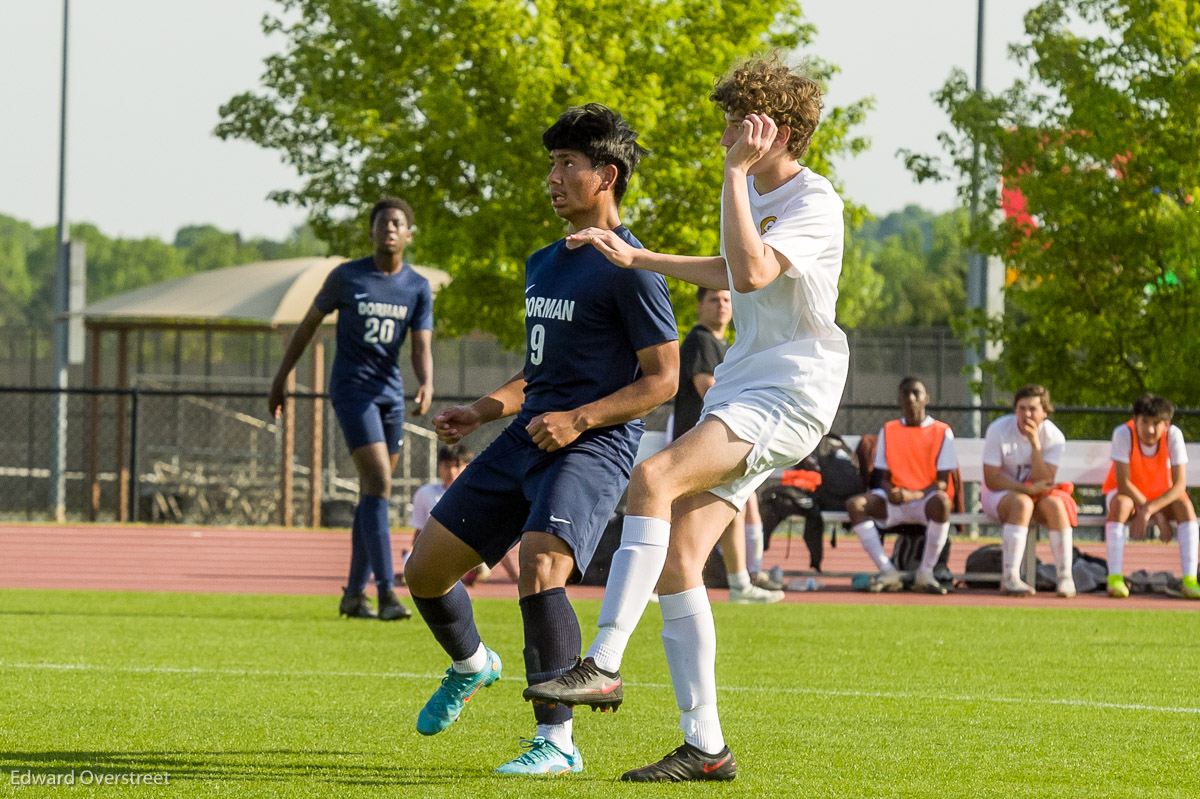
(765, 85)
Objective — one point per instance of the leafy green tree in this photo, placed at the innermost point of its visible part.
(444, 101)
(16, 285)
(28, 258)
(1102, 143)
(916, 264)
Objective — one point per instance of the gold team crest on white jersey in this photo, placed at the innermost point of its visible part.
(766, 225)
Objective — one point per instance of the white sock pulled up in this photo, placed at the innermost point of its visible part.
(635, 570)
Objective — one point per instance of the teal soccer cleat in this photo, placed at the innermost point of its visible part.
(447, 702)
(543, 757)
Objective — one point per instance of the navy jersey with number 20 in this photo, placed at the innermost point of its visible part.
(375, 312)
(585, 320)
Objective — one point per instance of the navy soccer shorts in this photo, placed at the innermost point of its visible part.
(513, 487)
(369, 422)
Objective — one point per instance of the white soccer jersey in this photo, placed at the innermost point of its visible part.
(1004, 446)
(786, 335)
(424, 498)
(1122, 444)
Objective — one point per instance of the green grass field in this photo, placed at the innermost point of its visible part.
(275, 696)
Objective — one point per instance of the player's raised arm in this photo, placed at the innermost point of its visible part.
(707, 271)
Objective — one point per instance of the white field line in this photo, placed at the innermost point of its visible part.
(402, 675)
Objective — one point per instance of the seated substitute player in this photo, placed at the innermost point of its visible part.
(1145, 480)
(378, 300)
(916, 456)
(601, 353)
(1021, 453)
(701, 352)
(774, 397)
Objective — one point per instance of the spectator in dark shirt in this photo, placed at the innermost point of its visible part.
(701, 352)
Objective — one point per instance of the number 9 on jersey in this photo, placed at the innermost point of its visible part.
(537, 344)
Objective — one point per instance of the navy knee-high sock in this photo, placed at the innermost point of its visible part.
(371, 518)
(452, 621)
(552, 643)
(360, 567)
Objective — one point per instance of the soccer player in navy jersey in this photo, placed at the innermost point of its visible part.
(378, 299)
(601, 352)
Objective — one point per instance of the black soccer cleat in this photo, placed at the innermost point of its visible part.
(686, 764)
(390, 608)
(583, 684)
(355, 605)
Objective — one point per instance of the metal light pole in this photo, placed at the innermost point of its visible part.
(976, 263)
(62, 283)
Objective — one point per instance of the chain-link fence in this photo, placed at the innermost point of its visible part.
(169, 451)
(158, 454)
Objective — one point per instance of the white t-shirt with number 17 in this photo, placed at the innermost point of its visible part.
(1005, 446)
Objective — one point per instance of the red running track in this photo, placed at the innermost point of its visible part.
(291, 561)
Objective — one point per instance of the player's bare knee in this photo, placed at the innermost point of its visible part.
(546, 562)
(1120, 509)
(652, 479)
(1182, 510)
(374, 481)
(937, 508)
(1052, 511)
(856, 506)
(425, 578)
(1016, 509)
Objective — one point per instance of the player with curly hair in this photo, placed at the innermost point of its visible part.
(773, 398)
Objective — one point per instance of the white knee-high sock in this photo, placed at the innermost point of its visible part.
(690, 640)
(1189, 539)
(1061, 546)
(868, 534)
(559, 734)
(635, 569)
(936, 534)
(1012, 547)
(754, 547)
(1115, 534)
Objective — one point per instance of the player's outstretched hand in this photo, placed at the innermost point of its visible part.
(610, 245)
(275, 400)
(423, 400)
(758, 134)
(452, 424)
(555, 430)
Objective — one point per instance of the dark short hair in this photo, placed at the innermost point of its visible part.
(392, 202)
(909, 382)
(704, 291)
(602, 135)
(455, 453)
(1154, 406)
(1034, 390)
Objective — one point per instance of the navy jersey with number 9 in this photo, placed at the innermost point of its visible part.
(585, 320)
(375, 312)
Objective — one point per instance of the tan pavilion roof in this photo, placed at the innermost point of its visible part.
(271, 293)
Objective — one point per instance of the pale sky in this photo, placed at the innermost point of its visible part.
(147, 76)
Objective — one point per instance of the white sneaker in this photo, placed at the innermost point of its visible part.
(1016, 587)
(764, 580)
(752, 594)
(1066, 587)
(890, 580)
(925, 582)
